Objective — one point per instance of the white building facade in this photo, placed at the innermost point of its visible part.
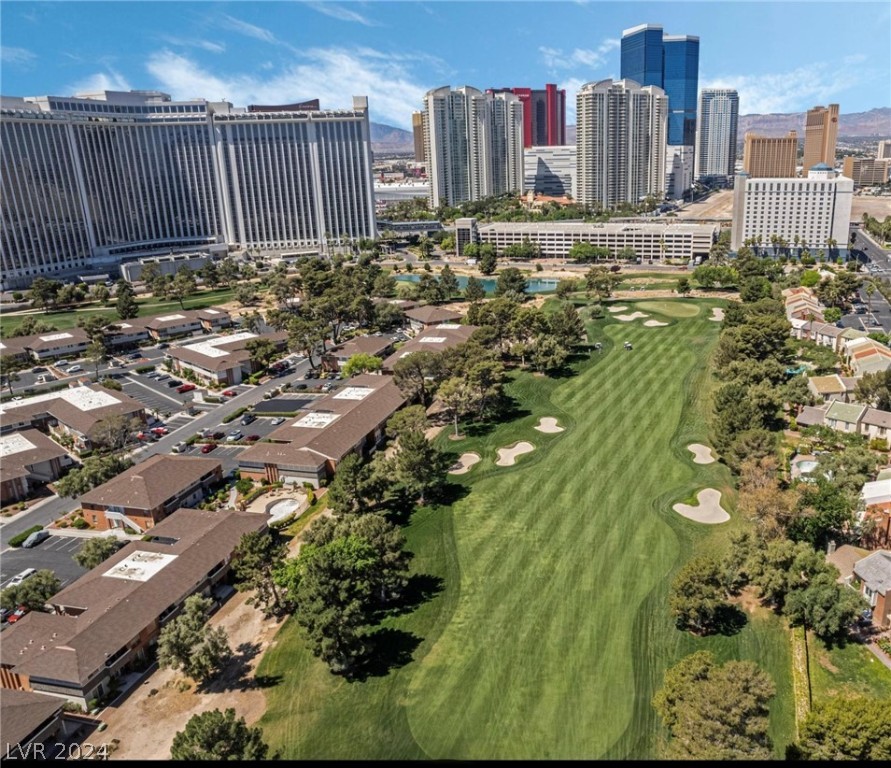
(621, 143)
(816, 209)
(473, 144)
(716, 131)
(93, 180)
(550, 170)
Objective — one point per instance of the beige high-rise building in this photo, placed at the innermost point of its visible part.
(866, 171)
(884, 150)
(770, 157)
(417, 127)
(820, 134)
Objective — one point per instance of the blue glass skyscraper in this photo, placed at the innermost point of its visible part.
(671, 62)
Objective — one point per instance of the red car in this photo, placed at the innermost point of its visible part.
(19, 612)
(185, 388)
(208, 447)
(160, 431)
(252, 438)
(229, 393)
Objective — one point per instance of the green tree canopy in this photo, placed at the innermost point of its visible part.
(33, 592)
(254, 563)
(188, 643)
(96, 551)
(218, 735)
(847, 729)
(361, 363)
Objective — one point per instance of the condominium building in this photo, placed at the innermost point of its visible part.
(670, 62)
(544, 114)
(93, 180)
(770, 157)
(820, 134)
(716, 133)
(621, 142)
(866, 171)
(473, 144)
(883, 151)
(550, 170)
(812, 212)
(417, 130)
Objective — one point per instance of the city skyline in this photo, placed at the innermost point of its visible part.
(394, 52)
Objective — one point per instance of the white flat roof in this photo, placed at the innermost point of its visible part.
(82, 398)
(449, 326)
(353, 393)
(211, 311)
(209, 348)
(876, 492)
(432, 340)
(140, 566)
(56, 337)
(167, 318)
(12, 444)
(316, 420)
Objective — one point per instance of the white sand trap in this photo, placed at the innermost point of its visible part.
(702, 454)
(632, 316)
(507, 457)
(654, 324)
(548, 425)
(464, 464)
(709, 509)
(617, 309)
(717, 314)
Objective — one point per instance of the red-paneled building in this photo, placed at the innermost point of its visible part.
(544, 115)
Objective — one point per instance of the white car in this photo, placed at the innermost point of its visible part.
(278, 420)
(74, 369)
(234, 436)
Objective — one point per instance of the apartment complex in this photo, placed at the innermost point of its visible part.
(810, 211)
(555, 239)
(883, 150)
(866, 171)
(140, 497)
(29, 459)
(550, 170)
(434, 338)
(820, 134)
(473, 143)
(224, 360)
(669, 62)
(770, 157)
(94, 180)
(544, 114)
(620, 140)
(716, 129)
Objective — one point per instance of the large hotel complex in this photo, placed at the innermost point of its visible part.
(92, 180)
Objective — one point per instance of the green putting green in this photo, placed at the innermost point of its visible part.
(551, 633)
(669, 308)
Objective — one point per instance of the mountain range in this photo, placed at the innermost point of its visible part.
(387, 139)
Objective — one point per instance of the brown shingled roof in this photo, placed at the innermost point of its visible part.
(452, 338)
(22, 713)
(151, 483)
(17, 464)
(430, 315)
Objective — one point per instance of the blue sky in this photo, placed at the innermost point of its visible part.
(781, 56)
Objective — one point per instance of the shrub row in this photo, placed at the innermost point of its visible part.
(144, 368)
(234, 415)
(19, 539)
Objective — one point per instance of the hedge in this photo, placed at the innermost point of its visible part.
(19, 539)
(235, 414)
(144, 368)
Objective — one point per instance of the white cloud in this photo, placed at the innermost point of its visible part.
(792, 91)
(16, 56)
(206, 45)
(555, 58)
(342, 14)
(334, 75)
(248, 30)
(101, 81)
(572, 86)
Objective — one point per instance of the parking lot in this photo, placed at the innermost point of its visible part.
(55, 553)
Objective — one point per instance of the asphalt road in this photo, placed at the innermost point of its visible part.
(55, 553)
(878, 265)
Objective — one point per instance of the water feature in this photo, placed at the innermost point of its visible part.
(533, 284)
(281, 509)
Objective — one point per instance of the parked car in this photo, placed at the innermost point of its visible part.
(38, 369)
(252, 438)
(20, 577)
(218, 435)
(60, 363)
(185, 388)
(163, 345)
(234, 436)
(35, 538)
(17, 614)
(5, 613)
(74, 369)
(208, 447)
(134, 356)
(174, 383)
(181, 447)
(301, 387)
(163, 377)
(278, 420)
(229, 393)
(248, 418)
(160, 430)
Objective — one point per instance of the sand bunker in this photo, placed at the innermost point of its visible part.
(654, 324)
(709, 509)
(548, 425)
(632, 316)
(702, 454)
(464, 464)
(717, 314)
(617, 309)
(507, 457)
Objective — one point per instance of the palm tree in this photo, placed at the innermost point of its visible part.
(870, 289)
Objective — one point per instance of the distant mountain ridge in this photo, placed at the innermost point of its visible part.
(876, 122)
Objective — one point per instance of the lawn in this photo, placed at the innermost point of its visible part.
(551, 633)
(147, 306)
(845, 671)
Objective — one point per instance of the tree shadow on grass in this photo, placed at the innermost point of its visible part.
(236, 675)
(420, 588)
(388, 649)
(729, 620)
